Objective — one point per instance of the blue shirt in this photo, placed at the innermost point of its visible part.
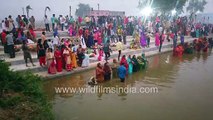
(121, 71)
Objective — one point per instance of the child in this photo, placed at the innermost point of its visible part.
(42, 56)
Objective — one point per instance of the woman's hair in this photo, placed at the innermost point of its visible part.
(105, 64)
(133, 56)
(99, 64)
(114, 61)
(50, 50)
(43, 33)
(39, 41)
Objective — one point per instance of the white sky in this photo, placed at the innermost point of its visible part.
(14, 7)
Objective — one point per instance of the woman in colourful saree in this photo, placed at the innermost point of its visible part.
(157, 39)
(135, 64)
(124, 61)
(129, 60)
(50, 62)
(58, 58)
(67, 58)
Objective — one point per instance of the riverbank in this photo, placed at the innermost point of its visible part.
(18, 64)
(153, 50)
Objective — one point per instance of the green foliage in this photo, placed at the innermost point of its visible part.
(22, 94)
(163, 6)
(196, 5)
(83, 10)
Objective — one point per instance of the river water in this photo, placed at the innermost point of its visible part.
(185, 92)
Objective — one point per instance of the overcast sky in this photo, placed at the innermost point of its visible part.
(14, 7)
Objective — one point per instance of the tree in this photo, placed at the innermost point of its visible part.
(28, 8)
(163, 6)
(45, 10)
(196, 5)
(83, 10)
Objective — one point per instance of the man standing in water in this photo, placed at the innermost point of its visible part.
(122, 72)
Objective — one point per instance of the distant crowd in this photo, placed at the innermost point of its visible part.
(92, 37)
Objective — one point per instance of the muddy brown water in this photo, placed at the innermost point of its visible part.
(185, 92)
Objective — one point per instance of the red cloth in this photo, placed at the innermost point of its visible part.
(172, 35)
(3, 37)
(80, 19)
(178, 51)
(58, 58)
(124, 61)
(80, 32)
(32, 33)
(68, 67)
(51, 68)
(42, 60)
(100, 55)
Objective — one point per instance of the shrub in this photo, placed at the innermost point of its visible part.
(22, 96)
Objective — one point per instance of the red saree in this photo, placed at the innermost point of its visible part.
(58, 58)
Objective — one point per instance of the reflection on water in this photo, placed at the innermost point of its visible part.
(184, 84)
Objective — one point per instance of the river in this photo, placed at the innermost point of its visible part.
(185, 87)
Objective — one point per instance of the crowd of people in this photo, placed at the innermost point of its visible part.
(94, 37)
(122, 69)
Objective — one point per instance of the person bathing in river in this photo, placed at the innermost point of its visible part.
(135, 64)
(124, 61)
(107, 71)
(130, 63)
(122, 72)
(115, 68)
(99, 73)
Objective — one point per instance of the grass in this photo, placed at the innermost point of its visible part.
(22, 96)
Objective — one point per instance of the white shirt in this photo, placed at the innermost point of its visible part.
(46, 21)
(62, 20)
(3, 26)
(55, 40)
